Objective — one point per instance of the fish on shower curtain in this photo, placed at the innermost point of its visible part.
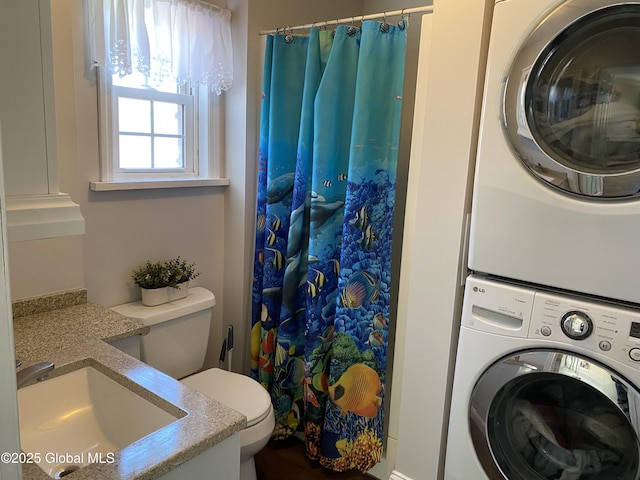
(330, 127)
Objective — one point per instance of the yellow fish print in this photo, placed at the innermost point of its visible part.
(357, 391)
(255, 344)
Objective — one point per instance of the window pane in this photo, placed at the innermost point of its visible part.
(134, 115)
(135, 152)
(168, 152)
(167, 118)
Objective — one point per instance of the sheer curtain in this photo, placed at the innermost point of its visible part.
(188, 41)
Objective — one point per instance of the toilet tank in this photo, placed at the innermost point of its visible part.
(179, 332)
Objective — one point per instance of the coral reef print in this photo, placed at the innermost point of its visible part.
(330, 127)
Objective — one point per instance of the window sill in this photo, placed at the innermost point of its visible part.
(152, 184)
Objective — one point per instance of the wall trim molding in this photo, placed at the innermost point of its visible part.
(32, 217)
(395, 475)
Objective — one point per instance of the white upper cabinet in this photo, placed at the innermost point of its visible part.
(35, 206)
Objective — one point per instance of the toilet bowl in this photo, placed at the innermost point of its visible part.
(177, 345)
(239, 392)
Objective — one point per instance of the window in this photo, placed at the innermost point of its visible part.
(162, 66)
(165, 133)
(153, 127)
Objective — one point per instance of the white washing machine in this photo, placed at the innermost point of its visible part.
(545, 387)
(557, 185)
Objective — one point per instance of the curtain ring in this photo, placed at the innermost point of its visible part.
(289, 36)
(351, 31)
(402, 23)
(384, 26)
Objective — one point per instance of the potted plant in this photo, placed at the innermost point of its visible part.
(164, 281)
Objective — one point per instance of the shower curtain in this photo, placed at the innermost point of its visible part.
(330, 126)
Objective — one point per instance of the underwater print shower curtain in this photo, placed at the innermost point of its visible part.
(330, 127)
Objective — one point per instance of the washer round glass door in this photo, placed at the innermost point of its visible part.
(572, 99)
(541, 414)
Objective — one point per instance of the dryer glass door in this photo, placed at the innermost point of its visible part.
(551, 415)
(573, 111)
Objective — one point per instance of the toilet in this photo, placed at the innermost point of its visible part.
(177, 345)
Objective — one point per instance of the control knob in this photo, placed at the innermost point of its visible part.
(576, 325)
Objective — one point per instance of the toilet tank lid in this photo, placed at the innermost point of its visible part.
(197, 300)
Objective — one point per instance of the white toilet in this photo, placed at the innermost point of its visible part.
(177, 345)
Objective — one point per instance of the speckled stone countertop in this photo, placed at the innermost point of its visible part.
(75, 336)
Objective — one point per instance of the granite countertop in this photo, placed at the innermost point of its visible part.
(76, 336)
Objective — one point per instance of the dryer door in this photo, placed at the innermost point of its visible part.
(542, 414)
(572, 99)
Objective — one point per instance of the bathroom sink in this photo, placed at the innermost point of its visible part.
(82, 417)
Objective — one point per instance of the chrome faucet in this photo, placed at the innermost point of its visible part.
(38, 371)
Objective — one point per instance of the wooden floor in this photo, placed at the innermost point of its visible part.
(286, 460)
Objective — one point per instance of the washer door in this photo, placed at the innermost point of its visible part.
(572, 99)
(542, 414)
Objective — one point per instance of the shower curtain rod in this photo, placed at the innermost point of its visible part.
(404, 11)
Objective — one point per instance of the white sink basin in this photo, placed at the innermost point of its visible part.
(82, 417)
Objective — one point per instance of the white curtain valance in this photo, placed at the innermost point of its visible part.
(183, 40)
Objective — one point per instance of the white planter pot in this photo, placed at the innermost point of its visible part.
(157, 296)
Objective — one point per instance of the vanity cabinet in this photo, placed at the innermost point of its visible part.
(221, 462)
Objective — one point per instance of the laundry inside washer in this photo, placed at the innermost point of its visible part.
(560, 428)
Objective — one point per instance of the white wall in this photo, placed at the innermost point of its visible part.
(445, 136)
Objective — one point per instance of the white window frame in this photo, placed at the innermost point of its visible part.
(189, 134)
(203, 152)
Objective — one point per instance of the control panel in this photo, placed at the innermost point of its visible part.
(607, 329)
(521, 311)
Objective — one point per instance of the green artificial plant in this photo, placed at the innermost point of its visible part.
(161, 274)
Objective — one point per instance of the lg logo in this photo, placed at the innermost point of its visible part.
(478, 289)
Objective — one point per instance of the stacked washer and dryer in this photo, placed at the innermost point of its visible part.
(547, 377)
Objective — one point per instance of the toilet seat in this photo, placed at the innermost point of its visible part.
(234, 390)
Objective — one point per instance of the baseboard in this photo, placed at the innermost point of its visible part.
(395, 475)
